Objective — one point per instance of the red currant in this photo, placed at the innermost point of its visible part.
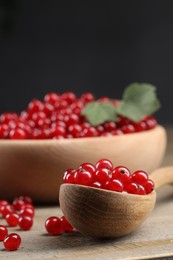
(3, 232)
(66, 226)
(102, 175)
(83, 177)
(149, 186)
(121, 173)
(25, 222)
(12, 219)
(17, 204)
(114, 185)
(131, 187)
(139, 177)
(17, 134)
(12, 242)
(88, 167)
(54, 226)
(104, 163)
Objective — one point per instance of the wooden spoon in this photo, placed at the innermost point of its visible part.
(102, 213)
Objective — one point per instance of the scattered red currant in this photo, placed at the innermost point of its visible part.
(3, 232)
(53, 225)
(12, 242)
(25, 222)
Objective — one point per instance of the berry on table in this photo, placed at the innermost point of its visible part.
(12, 242)
(25, 222)
(53, 225)
(3, 232)
(66, 226)
(12, 219)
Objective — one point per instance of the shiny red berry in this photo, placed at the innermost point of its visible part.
(25, 222)
(121, 173)
(149, 186)
(12, 219)
(54, 226)
(17, 204)
(88, 167)
(17, 134)
(102, 175)
(104, 163)
(114, 185)
(12, 242)
(83, 177)
(3, 232)
(139, 177)
(66, 226)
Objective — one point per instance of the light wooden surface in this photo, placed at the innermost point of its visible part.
(153, 240)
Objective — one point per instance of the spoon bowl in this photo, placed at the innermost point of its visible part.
(36, 167)
(102, 213)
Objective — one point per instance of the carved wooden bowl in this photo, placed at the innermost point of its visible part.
(36, 167)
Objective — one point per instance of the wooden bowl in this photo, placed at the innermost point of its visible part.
(36, 167)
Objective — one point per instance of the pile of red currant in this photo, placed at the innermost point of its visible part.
(104, 176)
(19, 213)
(59, 116)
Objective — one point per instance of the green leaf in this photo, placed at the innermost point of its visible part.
(139, 100)
(99, 112)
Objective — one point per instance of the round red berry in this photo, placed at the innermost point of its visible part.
(25, 222)
(104, 163)
(114, 185)
(102, 176)
(3, 232)
(121, 173)
(66, 226)
(149, 186)
(139, 177)
(54, 226)
(12, 242)
(83, 177)
(12, 219)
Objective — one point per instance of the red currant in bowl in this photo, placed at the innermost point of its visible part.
(51, 135)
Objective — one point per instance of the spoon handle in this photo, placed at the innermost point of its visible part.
(162, 176)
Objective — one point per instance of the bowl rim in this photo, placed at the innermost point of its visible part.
(81, 139)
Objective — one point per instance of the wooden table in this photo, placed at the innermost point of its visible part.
(154, 240)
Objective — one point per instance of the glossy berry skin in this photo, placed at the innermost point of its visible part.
(54, 226)
(102, 176)
(139, 177)
(149, 186)
(104, 163)
(88, 167)
(4, 210)
(114, 185)
(12, 219)
(17, 134)
(83, 177)
(69, 176)
(121, 173)
(131, 187)
(66, 226)
(25, 222)
(12, 242)
(18, 203)
(27, 211)
(3, 232)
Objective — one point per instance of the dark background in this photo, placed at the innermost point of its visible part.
(97, 46)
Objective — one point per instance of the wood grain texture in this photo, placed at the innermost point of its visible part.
(101, 213)
(36, 167)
